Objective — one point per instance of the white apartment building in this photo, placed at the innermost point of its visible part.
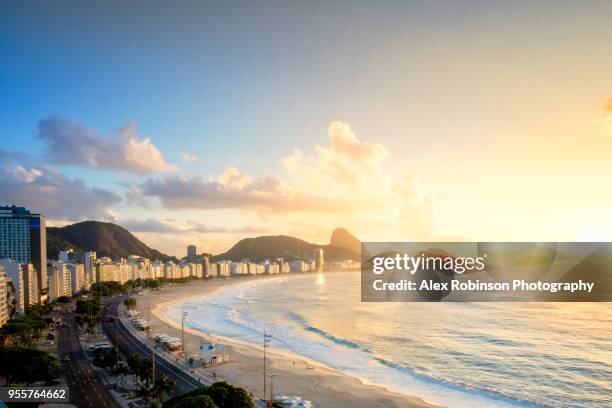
(89, 263)
(170, 270)
(299, 266)
(272, 268)
(239, 268)
(157, 270)
(77, 277)
(223, 268)
(60, 281)
(212, 271)
(195, 270)
(184, 271)
(3, 300)
(14, 272)
(25, 281)
(318, 259)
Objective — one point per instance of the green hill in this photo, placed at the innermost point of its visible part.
(102, 237)
(282, 246)
(342, 238)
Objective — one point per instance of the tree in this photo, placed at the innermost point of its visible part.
(200, 401)
(145, 390)
(63, 299)
(145, 369)
(25, 365)
(23, 331)
(133, 362)
(122, 370)
(164, 385)
(106, 358)
(91, 321)
(130, 302)
(221, 393)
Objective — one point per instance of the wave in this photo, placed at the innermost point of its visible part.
(243, 311)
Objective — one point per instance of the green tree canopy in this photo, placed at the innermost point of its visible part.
(221, 393)
(26, 366)
(200, 401)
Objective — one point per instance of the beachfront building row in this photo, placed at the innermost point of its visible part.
(23, 279)
(74, 272)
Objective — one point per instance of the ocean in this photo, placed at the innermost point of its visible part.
(452, 354)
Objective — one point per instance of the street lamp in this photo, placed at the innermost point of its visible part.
(266, 342)
(271, 402)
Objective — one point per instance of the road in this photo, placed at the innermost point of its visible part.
(129, 343)
(86, 390)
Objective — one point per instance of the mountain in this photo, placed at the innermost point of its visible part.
(116, 242)
(102, 237)
(342, 238)
(283, 246)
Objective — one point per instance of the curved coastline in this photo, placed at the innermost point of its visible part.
(328, 386)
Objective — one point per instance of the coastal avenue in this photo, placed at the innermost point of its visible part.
(85, 388)
(128, 343)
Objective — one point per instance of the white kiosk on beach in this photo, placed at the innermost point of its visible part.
(212, 354)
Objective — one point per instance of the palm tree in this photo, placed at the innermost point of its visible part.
(164, 385)
(123, 370)
(133, 362)
(130, 302)
(145, 390)
(36, 335)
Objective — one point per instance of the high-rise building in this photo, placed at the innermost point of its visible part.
(23, 238)
(191, 250)
(15, 273)
(206, 267)
(30, 285)
(60, 280)
(318, 259)
(3, 300)
(77, 277)
(67, 256)
(89, 260)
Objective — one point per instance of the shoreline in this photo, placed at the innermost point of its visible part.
(325, 386)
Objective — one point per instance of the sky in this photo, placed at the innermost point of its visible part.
(204, 123)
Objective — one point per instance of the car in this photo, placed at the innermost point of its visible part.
(48, 343)
(67, 358)
(50, 336)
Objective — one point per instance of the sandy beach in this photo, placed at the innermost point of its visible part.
(324, 386)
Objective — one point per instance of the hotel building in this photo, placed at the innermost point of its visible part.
(23, 238)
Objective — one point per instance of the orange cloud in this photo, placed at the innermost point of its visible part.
(342, 183)
(606, 117)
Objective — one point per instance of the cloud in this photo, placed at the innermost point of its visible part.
(353, 172)
(45, 190)
(69, 142)
(135, 197)
(188, 158)
(151, 225)
(233, 189)
(343, 183)
(607, 116)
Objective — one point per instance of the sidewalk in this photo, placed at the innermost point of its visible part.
(198, 373)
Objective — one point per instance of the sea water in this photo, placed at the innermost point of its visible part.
(453, 354)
